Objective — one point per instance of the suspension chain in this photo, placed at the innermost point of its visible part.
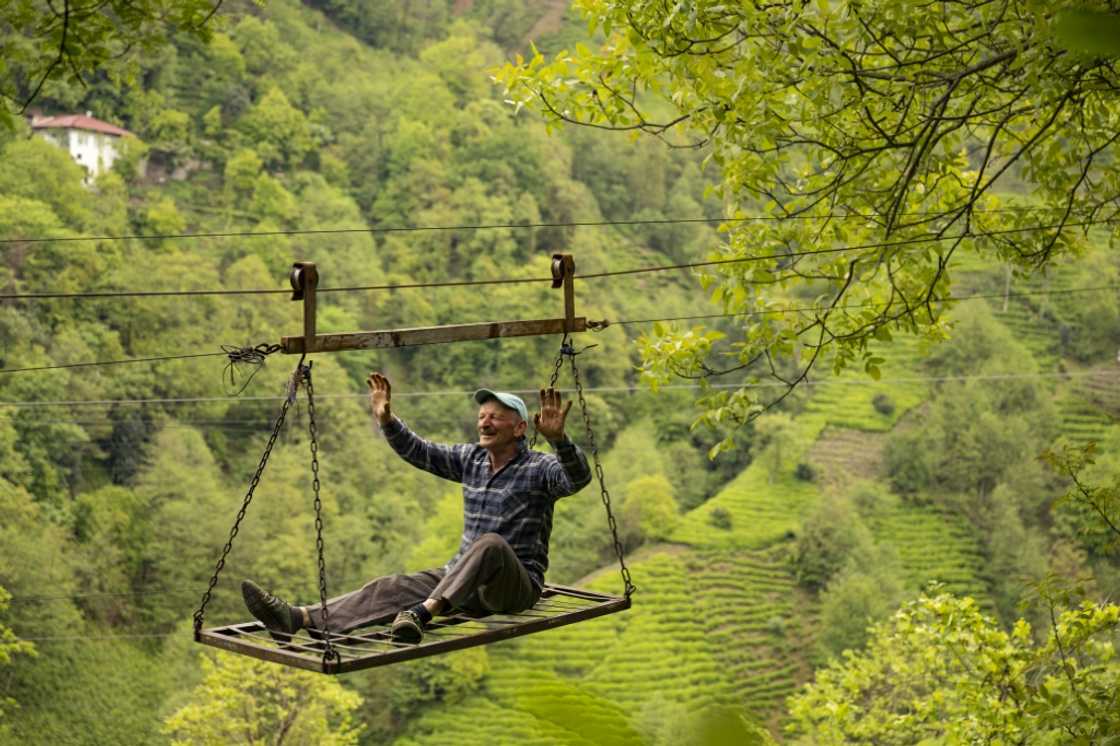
(329, 653)
(200, 614)
(566, 349)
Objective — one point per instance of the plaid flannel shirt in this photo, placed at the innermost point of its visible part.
(515, 503)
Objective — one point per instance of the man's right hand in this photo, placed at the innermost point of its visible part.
(380, 392)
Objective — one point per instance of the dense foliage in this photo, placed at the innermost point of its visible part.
(879, 138)
(45, 42)
(941, 669)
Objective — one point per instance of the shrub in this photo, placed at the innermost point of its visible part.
(832, 534)
(870, 498)
(853, 601)
(883, 404)
(720, 518)
(805, 472)
(649, 510)
(909, 462)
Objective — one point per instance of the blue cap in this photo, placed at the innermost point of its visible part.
(513, 401)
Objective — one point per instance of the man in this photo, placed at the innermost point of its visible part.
(508, 496)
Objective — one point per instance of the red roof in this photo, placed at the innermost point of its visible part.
(78, 122)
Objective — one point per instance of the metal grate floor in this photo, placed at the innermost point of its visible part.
(373, 646)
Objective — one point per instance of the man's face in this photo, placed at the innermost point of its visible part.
(498, 426)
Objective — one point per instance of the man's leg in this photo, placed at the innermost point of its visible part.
(487, 578)
(376, 601)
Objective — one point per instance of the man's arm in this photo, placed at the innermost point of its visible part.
(442, 460)
(569, 473)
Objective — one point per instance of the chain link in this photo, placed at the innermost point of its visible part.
(604, 494)
(200, 614)
(329, 653)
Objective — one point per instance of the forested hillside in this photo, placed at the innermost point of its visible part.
(373, 141)
(120, 483)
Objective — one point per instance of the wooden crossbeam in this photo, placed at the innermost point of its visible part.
(305, 279)
(429, 335)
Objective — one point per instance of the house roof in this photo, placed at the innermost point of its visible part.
(78, 122)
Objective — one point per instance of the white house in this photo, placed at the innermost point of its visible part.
(91, 142)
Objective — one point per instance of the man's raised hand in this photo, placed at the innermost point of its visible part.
(550, 420)
(380, 392)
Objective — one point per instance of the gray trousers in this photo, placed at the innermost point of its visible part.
(487, 579)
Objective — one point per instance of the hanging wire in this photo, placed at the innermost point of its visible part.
(587, 276)
(595, 389)
(498, 226)
(246, 357)
(96, 363)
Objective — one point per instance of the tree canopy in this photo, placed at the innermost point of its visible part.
(876, 142)
(941, 669)
(72, 40)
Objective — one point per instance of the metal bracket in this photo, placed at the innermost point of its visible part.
(563, 274)
(304, 278)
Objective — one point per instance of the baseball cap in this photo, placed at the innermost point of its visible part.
(513, 401)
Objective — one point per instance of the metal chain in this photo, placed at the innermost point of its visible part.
(329, 653)
(606, 496)
(565, 349)
(200, 614)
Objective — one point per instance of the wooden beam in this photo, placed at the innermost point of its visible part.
(427, 335)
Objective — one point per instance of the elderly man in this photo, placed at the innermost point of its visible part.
(508, 496)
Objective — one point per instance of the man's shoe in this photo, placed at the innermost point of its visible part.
(408, 627)
(274, 613)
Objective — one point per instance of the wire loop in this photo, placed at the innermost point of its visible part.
(253, 357)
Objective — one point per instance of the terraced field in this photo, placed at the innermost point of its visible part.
(756, 512)
(1090, 403)
(1032, 330)
(1082, 421)
(933, 546)
(1101, 388)
(842, 455)
(764, 508)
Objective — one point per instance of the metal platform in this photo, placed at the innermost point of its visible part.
(373, 646)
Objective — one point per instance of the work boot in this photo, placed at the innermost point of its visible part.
(408, 627)
(274, 613)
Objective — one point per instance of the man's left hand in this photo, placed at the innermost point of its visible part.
(550, 420)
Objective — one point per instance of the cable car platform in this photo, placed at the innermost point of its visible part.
(373, 646)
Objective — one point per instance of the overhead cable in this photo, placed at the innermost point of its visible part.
(598, 326)
(491, 226)
(586, 276)
(530, 391)
(855, 306)
(112, 362)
